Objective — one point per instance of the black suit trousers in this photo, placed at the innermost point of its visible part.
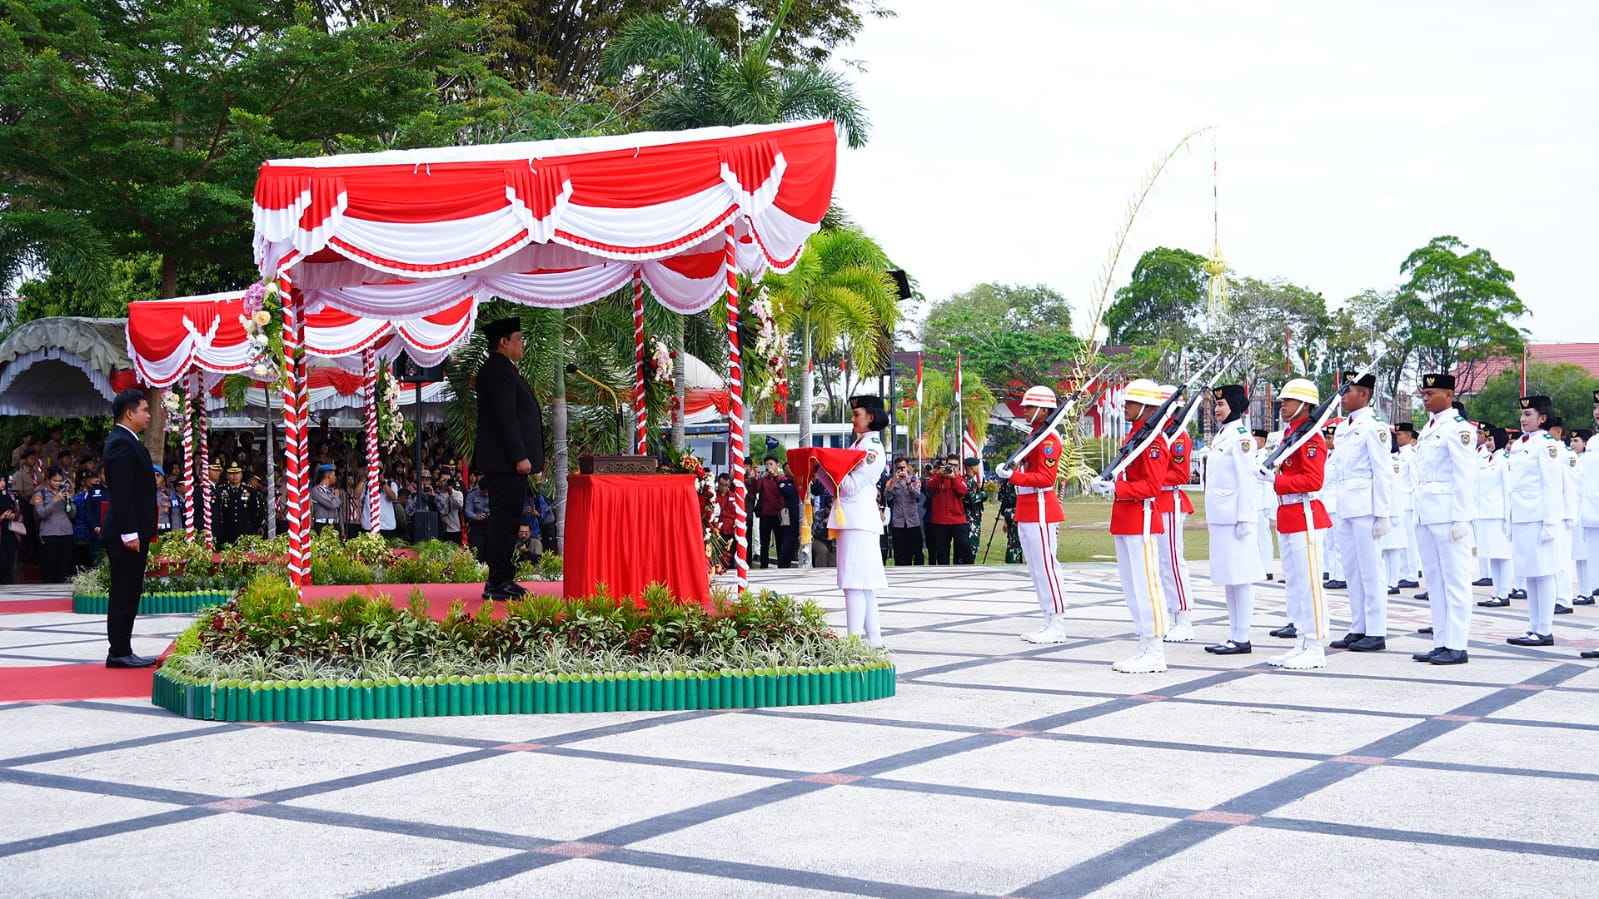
(507, 493)
(127, 585)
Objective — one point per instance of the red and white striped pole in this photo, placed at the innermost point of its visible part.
(192, 394)
(735, 415)
(641, 444)
(374, 465)
(204, 426)
(295, 480)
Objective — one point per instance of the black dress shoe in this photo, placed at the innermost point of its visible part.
(1450, 657)
(1336, 585)
(1372, 643)
(515, 590)
(1287, 631)
(1532, 639)
(1426, 656)
(1230, 648)
(1562, 609)
(1408, 584)
(1393, 591)
(1498, 602)
(1270, 576)
(1518, 593)
(1424, 631)
(1483, 582)
(1347, 640)
(128, 661)
(1590, 653)
(495, 592)
(1422, 595)
(1582, 601)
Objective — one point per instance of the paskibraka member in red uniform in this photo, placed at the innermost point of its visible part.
(1132, 522)
(1173, 505)
(1297, 479)
(1038, 514)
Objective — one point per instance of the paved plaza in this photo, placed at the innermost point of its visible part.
(1000, 768)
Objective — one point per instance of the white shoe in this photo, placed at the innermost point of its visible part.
(1182, 631)
(1054, 632)
(1280, 661)
(1312, 656)
(1151, 659)
(1029, 636)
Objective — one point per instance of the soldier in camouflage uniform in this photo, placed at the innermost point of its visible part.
(1007, 511)
(966, 550)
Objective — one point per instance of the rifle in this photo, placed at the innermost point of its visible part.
(1179, 422)
(1050, 423)
(1311, 426)
(1154, 422)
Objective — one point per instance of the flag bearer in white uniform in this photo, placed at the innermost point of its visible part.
(1586, 562)
(1588, 476)
(1407, 451)
(1268, 515)
(858, 523)
(1566, 578)
(1039, 514)
(1360, 478)
(1536, 517)
(1446, 480)
(1396, 543)
(1232, 515)
(1490, 526)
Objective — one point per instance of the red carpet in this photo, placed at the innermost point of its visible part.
(87, 681)
(22, 606)
(438, 596)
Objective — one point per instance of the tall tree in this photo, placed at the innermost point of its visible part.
(1005, 332)
(1280, 329)
(1164, 300)
(1457, 307)
(838, 299)
(1569, 386)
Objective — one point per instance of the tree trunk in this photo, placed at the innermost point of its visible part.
(558, 429)
(679, 387)
(807, 392)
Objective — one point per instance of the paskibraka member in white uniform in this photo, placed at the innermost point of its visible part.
(1232, 513)
(1537, 513)
(1361, 478)
(858, 523)
(1490, 524)
(1446, 480)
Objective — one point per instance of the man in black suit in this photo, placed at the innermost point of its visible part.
(510, 447)
(130, 479)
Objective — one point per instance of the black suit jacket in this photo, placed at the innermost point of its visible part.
(509, 425)
(130, 479)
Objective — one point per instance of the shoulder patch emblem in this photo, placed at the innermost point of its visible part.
(1049, 449)
(1178, 450)
(1310, 452)
(1247, 445)
(1554, 453)
(1154, 453)
(1465, 438)
(871, 456)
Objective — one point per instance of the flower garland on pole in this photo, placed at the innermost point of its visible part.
(185, 412)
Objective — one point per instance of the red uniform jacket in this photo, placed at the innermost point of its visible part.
(1141, 480)
(1303, 472)
(1040, 468)
(1179, 466)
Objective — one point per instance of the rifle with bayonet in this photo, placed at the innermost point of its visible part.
(1155, 421)
(1062, 407)
(1311, 426)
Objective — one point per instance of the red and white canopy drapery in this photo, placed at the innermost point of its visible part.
(403, 233)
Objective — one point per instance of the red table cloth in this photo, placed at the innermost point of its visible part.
(627, 531)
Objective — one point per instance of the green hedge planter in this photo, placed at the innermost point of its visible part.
(183, 602)
(520, 694)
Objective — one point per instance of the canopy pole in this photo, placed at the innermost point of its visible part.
(205, 465)
(374, 470)
(735, 415)
(271, 469)
(296, 482)
(192, 392)
(641, 445)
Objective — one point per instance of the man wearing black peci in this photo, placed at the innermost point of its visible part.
(510, 447)
(130, 479)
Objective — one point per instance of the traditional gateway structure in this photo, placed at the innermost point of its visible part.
(401, 235)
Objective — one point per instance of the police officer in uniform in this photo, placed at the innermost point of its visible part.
(1301, 523)
(1537, 510)
(510, 448)
(1134, 525)
(1446, 480)
(231, 507)
(1361, 480)
(1039, 514)
(1232, 513)
(857, 522)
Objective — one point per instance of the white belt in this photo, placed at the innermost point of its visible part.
(1029, 491)
(1288, 499)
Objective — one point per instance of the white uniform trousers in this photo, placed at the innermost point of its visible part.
(1333, 561)
(1590, 537)
(1566, 577)
(1536, 569)
(1263, 535)
(1579, 556)
(1174, 582)
(1136, 568)
(1368, 594)
(1412, 553)
(1446, 565)
(1393, 566)
(1038, 548)
(860, 575)
(1307, 608)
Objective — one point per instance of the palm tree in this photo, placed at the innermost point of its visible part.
(839, 300)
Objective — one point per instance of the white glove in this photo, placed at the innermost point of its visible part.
(1102, 487)
(1379, 528)
(1243, 529)
(1547, 535)
(1459, 532)
(1002, 471)
(1265, 475)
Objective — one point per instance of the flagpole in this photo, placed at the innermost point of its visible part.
(960, 412)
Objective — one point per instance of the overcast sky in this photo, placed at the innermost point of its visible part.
(1008, 136)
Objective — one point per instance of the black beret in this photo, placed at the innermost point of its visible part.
(1541, 403)
(502, 327)
(1260, 432)
(1441, 381)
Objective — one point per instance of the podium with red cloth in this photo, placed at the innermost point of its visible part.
(627, 531)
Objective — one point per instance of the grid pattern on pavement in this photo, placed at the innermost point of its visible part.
(1000, 768)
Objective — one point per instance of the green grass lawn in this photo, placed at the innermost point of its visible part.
(1085, 534)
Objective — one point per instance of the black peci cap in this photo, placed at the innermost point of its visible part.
(1353, 377)
(1440, 381)
(502, 327)
(1540, 403)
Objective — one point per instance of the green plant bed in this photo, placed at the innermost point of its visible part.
(518, 694)
(180, 602)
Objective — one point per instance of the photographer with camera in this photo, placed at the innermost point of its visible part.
(947, 513)
(903, 497)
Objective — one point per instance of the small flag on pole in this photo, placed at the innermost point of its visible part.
(918, 379)
(969, 449)
(957, 375)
